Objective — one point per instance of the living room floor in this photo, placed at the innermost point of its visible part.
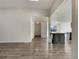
(38, 49)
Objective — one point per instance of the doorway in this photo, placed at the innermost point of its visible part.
(39, 27)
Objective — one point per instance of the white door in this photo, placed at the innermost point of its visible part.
(44, 28)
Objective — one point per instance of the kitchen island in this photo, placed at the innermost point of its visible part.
(58, 37)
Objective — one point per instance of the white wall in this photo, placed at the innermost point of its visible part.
(63, 16)
(32, 28)
(15, 24)
(45, 28)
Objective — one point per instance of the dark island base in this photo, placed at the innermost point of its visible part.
(60, 37)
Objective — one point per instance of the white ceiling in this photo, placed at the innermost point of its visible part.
(42, 4)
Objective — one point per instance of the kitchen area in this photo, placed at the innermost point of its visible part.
(60, 32)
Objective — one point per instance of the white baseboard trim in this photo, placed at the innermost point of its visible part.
(15, 41)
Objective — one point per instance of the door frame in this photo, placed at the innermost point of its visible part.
(32, 26)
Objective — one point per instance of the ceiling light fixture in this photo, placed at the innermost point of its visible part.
(34, 0)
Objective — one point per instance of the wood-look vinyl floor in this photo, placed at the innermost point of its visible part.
(38, 49)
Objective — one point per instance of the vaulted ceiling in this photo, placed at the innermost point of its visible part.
(55, 4)
(27, 4)
(41, 4)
